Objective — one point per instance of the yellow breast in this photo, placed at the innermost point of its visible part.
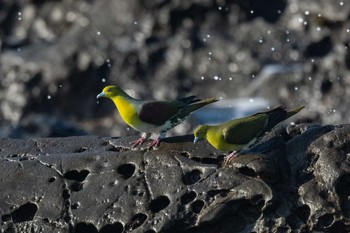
(127, 110)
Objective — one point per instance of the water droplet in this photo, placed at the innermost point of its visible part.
(135, 22)
(296, 88)
(127, 128)
(202, 77)
(19, 13)
(251, 12)
(348, 30)
(253, 75)
(312, 60)
(307, 12)
(230, 78)
(272, 49)
(310, 78)
(300, 20)
(60, 85)
(341, 3)
(208, 36)
(48, 97)
(220, 8)
(98, 33)
(318, 29)
(216, 77)
(251, 100)
(268, 31)
(103, 80)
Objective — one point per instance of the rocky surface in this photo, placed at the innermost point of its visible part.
(57, 55)
(295, 180)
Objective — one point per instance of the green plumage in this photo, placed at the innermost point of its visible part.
(239, 133)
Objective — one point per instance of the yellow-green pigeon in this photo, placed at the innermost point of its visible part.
(240, 133)
(155, 117)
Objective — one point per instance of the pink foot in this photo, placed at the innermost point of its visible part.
(138, 142)
(231, 156)
(154, 143)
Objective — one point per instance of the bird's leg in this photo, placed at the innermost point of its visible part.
(231, 156)
(155, 142)
(139, 141)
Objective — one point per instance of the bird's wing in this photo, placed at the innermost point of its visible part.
(244, 130)
(158, 112)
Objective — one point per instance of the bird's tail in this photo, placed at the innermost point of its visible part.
(196, 104)
(295, 111)
(279, 114)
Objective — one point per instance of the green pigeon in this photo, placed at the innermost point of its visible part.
(240, 133)
(155, 117)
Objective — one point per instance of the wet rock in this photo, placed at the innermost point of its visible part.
(294, 179)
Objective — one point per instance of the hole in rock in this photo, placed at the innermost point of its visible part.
(197, 206)
(76, 175)
(112, 228)
(325, 221)
(126, 170)
(207, 160)
(247, 171)
(66, 194)
(81, 149)
(24, 213)
(83, 227)
(75, 205)
(159, 204)
(136, 221)
(77, 186)
(188, 197)
(52, 179)
(6, 217)
(185, 154)
(191, 177)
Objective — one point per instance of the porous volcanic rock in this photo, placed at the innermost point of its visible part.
(296, 179)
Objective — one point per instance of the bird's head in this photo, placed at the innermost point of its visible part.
(110, 92)
(200, 132)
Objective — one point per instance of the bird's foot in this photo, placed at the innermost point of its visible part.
(138, 142)
(231, 156)
(154, 143)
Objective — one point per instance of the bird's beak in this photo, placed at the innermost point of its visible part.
(195, 140)
(102, 94)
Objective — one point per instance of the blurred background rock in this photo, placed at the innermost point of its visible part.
(56, 56)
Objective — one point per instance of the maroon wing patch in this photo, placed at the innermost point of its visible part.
(158, 112)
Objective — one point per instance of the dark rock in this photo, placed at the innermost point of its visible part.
(295, 179)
